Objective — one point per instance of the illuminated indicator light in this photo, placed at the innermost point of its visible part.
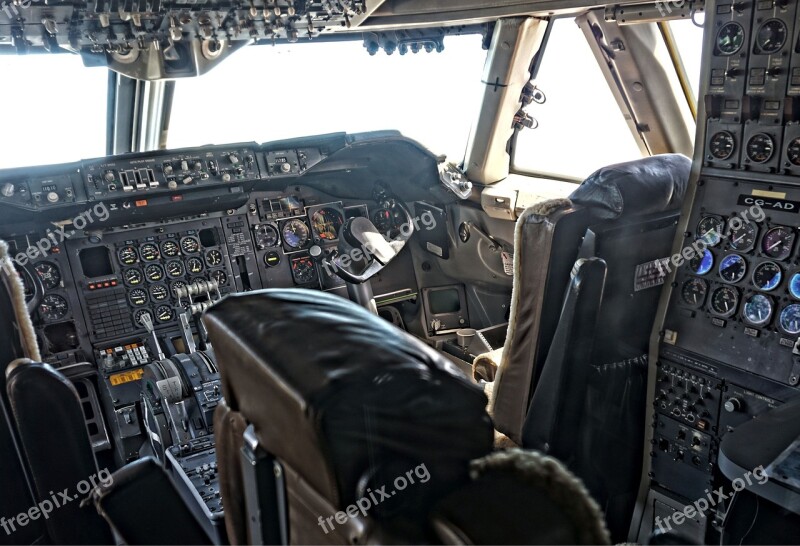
(106, 284)
(176, 198)
(126, 377)
(141, 203)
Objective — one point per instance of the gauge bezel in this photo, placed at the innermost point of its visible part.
(745, 226)
(152, 266)
(780, 319)
(287, 245)
(737, 301)
(135, 251)
(47, 285)
(149, 260)
(143, 291)
(705, 286)
(740, 277)
(53, 318)
(763, 264)
(166, 254)
(759, 45)
(708, 218)
(702, 272)
(747, 319)
(717, 47)
(726, 134)
(781, 257)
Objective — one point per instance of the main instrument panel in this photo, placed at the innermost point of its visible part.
(730, 340)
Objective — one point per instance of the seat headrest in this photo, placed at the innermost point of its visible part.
(339, 394)
(643, 186)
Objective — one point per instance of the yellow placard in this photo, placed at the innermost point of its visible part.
(772, 194)
(126, 377)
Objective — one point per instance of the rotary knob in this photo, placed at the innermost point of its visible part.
(733, 405)
(52, 197)
(109, 176)
(286, 167)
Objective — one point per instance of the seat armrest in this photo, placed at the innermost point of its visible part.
(161, 516)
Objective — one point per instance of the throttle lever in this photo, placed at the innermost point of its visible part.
(152, 338)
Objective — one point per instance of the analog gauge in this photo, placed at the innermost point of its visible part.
(295, 233)
(382, 219)
(164, 313)
(743, 238)
(303, 270)
(137, 316)
(266, 236)
(149, 252)
(154, 273)
(159, 292)
(760, 148)
(724, 301)
(790, 319)
(213, 258)
(133, 276)
(709, 230)
(175, 269)
(49, 274)
(272, 258)
(793, 152)
(170, 248)
(53, 307)
(190, 245)
(326, 223)
(732, 268)
(220, 276)
(694, 292)
(722, 145)
(757, 309)
(771, 36)
(794, 286)
(137, 297)
(194, 265)
(730, 38)
(176, 285)
(127, 255)
(702, 264)
(777, 243)
(767, 276)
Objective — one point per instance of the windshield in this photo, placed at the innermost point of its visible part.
(264, 93)
(46, 120)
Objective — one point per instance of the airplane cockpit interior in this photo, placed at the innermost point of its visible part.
(399, 272)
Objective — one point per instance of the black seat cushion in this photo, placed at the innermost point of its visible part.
(340, 395)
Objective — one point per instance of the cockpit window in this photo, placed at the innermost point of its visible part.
(267, 93)
(689, 42)
(581, 127)
(53, 110)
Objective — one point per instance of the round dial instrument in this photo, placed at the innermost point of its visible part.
(722, 145)
(702, 264)
(303, 270)
(170, 248)
(53, 307)
(133, 276)
(767, 276)
(790, 319)
(709, 230)
(137, 297)
(743, 238)
(326, 223)
(154, 273)
(694, 292)
(137, 316)
(760, 148)
(176, 285)
(777, 243)
(793, 152)
(127, 255)
(794, 286)
(382, 219)
(49, 274)
(757, 309)
(295, 233)
(149, 252)
(724, 301)
(159, 292)
(220, 276)
(771, 36)
(194, 265)
(730, 38)
(732, 268)
(190, 245)
(213, 258)
(175, 269)
(164, 313)
(266, 236)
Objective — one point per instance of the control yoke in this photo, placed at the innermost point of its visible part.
(364, 251)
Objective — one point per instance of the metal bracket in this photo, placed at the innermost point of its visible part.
(455, 180)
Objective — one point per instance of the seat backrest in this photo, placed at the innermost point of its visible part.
(346, 403)
(58, 450)
(588, 407)
(548, 237)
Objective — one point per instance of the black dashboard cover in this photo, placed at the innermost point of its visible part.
(643, 186)
(345, 398)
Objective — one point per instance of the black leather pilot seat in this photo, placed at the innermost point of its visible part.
(329, 406)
